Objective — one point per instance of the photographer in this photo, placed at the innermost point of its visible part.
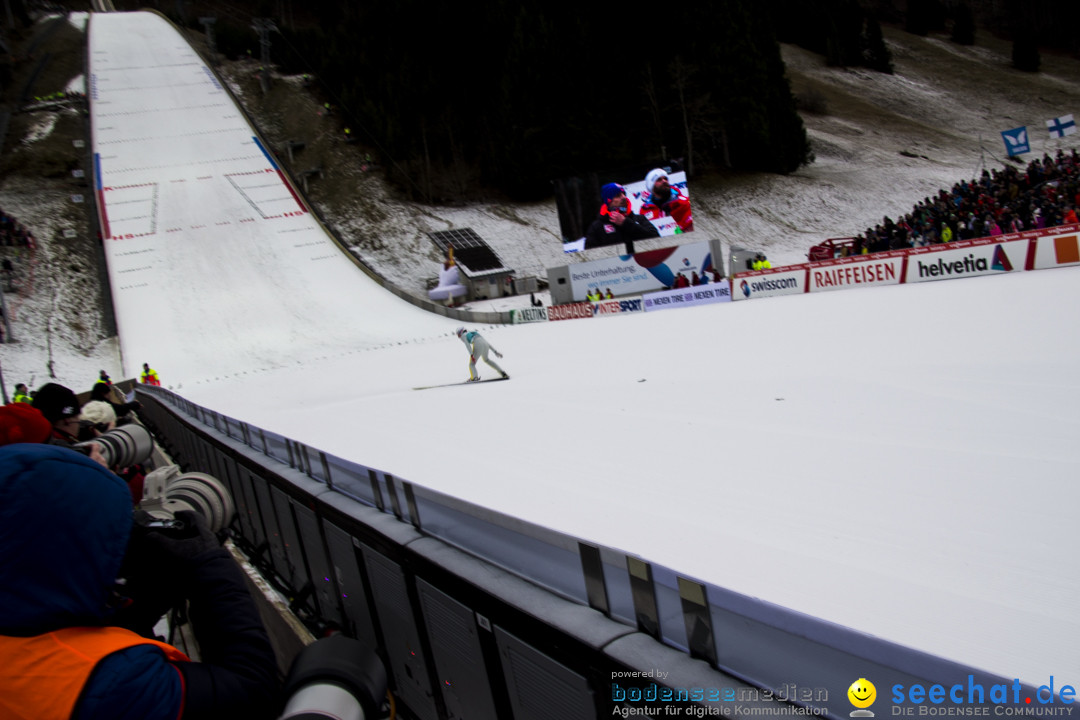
(105, 392)
(98, 418)
(66, 647)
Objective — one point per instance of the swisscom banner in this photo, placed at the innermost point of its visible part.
(789, 280)
(641, 273)
(968, 258)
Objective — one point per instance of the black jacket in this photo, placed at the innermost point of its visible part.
(604, 232)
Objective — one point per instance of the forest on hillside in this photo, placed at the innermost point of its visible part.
(511, 96)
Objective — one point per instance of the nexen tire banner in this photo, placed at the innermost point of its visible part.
(969, 259)
(789, 280)
(686, 297)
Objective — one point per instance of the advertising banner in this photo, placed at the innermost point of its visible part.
(688, 297)
(570, 311)
(1059, 247)
(878, 269)
(641, 273)
(617, 307)
(969, 258)
(788, 280)
(529, 315)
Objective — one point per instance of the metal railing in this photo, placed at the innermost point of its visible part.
(357, 548)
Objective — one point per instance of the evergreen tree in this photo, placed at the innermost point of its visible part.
(917, 20)
(1025, 52)
(875, 54)
(963, 31)
(512, 95)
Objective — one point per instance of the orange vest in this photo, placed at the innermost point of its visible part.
(42, 677)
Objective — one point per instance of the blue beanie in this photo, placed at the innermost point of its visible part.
(610, 191)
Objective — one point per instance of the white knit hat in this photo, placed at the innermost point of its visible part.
(650, 179)
(98, 412)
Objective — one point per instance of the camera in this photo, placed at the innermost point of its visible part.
(123, 446)
(333, 678)
(167, 491)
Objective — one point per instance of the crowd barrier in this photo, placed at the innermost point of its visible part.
(481, 615)
(1013, 252)
(1030, 250)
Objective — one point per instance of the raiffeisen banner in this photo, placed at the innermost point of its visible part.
(788, 280)
(644, 272)
(688, 297)
(861, 270)
(968, 258)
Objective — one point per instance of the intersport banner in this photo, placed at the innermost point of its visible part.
(617, 307)
(788, 280)
(967, 258)
(688, 297)
(641, 273)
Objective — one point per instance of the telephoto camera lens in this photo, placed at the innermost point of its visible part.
(124, 446)
(335, 677)
(204, 494)
(167, 492)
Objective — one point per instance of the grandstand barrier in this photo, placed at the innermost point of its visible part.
(1014, 252)
(479, 615)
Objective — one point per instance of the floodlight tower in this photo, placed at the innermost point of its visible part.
(264, 26)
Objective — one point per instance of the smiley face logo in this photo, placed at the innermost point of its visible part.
(862, 693)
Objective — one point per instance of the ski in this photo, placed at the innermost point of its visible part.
(466, 382)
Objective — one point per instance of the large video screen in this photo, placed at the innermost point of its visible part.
(594, 214)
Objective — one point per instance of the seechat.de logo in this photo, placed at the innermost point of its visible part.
(862, 695)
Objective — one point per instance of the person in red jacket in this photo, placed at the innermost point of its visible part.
(661, 199)
(149, 376)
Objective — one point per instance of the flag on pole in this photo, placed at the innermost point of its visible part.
(1016, 140)
(1062, 126)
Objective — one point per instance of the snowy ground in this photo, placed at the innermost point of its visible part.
(897, 460)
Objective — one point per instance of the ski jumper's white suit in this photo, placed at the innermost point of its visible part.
(479, 348)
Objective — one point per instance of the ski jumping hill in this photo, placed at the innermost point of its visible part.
(897, 460)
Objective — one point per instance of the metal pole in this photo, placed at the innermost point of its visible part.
(3, 385)
(8, 337)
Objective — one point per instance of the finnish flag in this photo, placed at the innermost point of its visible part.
(1062, 126)
(1016, 140)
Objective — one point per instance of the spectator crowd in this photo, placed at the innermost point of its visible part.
(1044, 194)
(13, 233)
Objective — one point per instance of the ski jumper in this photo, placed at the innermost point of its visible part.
(479, 348)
